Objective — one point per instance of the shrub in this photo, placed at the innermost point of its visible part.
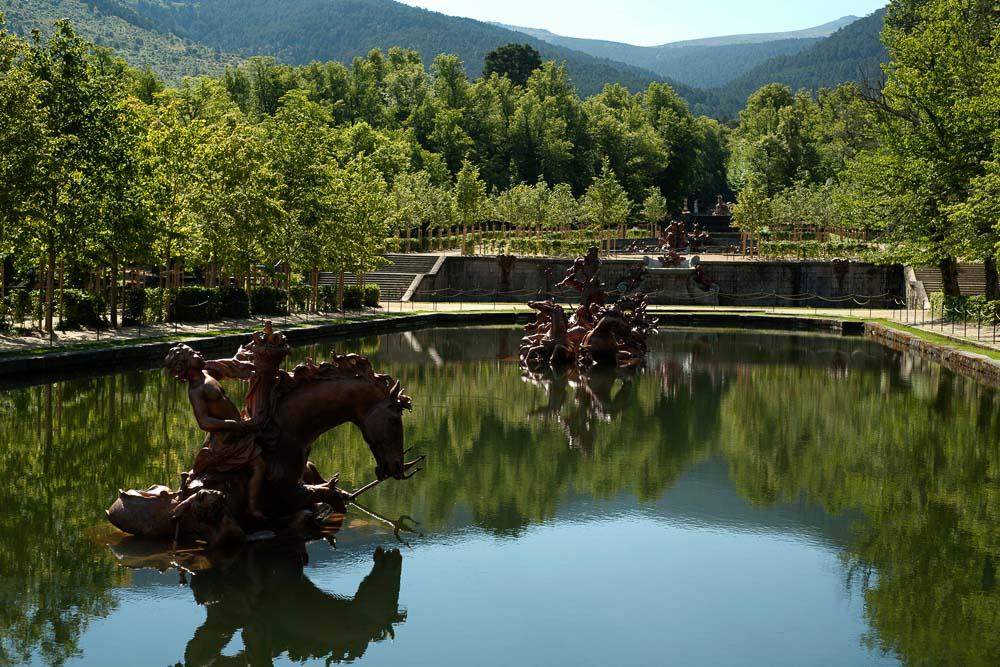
(234, 302)
(328, 298)
(267, 300)
(959, 308)
(157, 300)
(133, 305)
(372, 294)
(353, 297)
(300, 295)
(193, 304)
(20, 304)
(81, 309)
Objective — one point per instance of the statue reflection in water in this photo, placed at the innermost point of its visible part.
(594, 399)
(262, 591)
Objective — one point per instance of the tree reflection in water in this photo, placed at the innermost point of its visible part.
(908, 447)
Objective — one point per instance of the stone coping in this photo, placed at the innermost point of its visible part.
(35, 369)
(977, 366)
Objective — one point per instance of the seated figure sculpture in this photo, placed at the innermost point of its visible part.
(253, 472)
(230, 442)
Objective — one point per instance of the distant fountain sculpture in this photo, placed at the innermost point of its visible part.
(253, 473)
(595, 334)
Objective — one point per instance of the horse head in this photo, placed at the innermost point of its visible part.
(382, 428)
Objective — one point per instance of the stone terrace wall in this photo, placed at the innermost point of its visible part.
(740, 283)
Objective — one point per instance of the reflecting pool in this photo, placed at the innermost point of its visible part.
(745, 499)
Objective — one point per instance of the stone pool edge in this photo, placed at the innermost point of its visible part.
(19, 369)
(970, 364)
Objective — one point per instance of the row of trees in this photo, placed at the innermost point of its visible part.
(290, 171)
(914, 160)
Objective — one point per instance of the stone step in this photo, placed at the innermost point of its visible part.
(392, 286)
(408, 263)
(971, 279)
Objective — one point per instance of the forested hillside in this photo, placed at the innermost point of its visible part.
(117, 26)
(702, 63)
(853, 53)
(306, 30)
(186, 37)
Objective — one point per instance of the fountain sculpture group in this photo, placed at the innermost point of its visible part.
(253, 473)
(595, 333)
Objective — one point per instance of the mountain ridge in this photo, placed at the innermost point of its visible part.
(818, 31)
(704, 63)
(185, 37)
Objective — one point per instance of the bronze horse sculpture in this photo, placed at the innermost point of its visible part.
(595, 335)
(254, 472)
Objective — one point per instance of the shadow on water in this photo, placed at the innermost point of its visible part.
(895, 462)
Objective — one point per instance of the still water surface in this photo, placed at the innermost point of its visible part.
(745, 499)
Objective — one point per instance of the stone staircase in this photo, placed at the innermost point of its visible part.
(393, 279)
(971, 279)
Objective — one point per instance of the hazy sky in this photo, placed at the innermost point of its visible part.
(649, 22)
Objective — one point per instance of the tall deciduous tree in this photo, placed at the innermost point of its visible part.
(605, 204)
(654, 207)
(66, 147)
(514, 61)
(934, 127)
(470, 198)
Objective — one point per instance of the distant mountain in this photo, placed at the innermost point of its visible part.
(300, 31)
(704, 63)
(824, 30)
(115, 25)
(182, 37)
(853, 53)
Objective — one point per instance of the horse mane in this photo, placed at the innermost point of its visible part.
(346, 367)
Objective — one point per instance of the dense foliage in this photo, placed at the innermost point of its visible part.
(272, 171)
(115, 25)
(190, 38)
(911, 163)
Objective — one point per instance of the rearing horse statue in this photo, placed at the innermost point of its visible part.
(254, 470)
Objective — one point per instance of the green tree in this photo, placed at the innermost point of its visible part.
(514, 61)
(65, 147)
(470, 198)
(605, 204)
(654, 207)
(626, 138)
(933, 128)
(299, 150)
(363, 208)
(451, 84)
(237, 202)
(171, 150)
(775, 142)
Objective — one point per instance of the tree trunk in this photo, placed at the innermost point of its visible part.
(62, 291)
(949, 276)
(340, 290)
(992, 278)
(315, 290)
(50, 275)
(165, 275)
(113, 295)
